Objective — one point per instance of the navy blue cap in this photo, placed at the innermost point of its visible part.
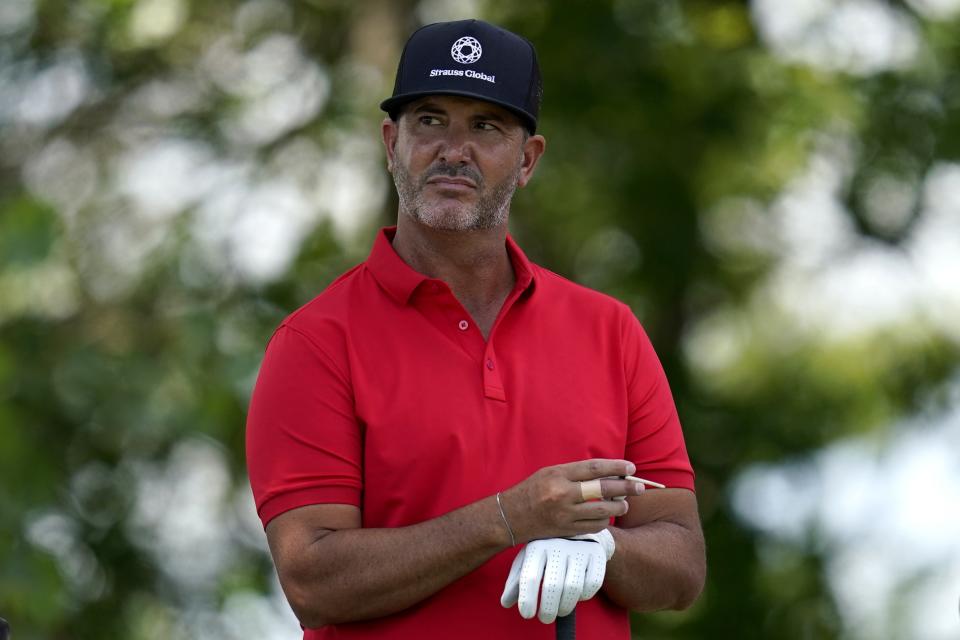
(469, 58)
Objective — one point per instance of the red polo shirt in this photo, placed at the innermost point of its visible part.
(382, 393)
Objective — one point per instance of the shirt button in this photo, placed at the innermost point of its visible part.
(464, 325)
(490, 364)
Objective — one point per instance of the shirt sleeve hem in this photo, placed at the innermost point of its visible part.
(670, 479)
(273, 507)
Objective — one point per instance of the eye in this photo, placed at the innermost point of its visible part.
(483, 125)
(429, 120)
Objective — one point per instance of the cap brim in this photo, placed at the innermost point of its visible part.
(393, 103)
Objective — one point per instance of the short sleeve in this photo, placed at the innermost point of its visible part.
(304, 445)
(654, 436)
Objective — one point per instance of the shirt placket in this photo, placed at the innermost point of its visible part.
(493, 386)
(446, 313)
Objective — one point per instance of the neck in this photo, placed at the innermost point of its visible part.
(474, 264)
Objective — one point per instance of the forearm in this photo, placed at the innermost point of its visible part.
(359, 574)
(334, 571)
(659, 565)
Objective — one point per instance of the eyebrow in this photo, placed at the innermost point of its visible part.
(428, 106)
(492, 115)
(432, 107)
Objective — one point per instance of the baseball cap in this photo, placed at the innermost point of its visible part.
(469, 58)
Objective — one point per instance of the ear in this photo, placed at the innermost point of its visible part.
(389, 130)
(533, 148)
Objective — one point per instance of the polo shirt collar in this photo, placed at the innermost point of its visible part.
(400, 280)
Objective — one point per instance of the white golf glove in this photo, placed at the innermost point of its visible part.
(572, 569)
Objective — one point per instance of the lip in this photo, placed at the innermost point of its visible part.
(447, 181)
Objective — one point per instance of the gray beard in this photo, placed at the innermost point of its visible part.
(491, 209)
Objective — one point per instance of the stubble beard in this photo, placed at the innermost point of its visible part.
(490, 210)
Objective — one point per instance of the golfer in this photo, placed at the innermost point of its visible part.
(436, 442)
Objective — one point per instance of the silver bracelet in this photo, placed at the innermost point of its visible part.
(513, 541)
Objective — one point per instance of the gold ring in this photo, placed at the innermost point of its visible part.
(591, 490)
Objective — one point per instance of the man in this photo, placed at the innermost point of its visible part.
(448, 407)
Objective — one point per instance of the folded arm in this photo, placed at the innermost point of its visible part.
(660, 558)
(332, 571)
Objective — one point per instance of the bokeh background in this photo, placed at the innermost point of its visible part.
(774, 187)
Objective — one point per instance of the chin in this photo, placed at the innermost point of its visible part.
(454, 219)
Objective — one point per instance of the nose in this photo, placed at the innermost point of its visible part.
(456, 147)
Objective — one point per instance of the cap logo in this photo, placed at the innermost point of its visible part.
(466, 50)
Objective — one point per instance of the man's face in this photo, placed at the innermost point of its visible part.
(457, 161)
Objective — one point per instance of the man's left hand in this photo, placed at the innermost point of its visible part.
(571, 570)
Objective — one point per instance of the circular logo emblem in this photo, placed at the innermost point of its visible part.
(466, 50)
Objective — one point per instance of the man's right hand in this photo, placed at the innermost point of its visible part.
(549, 504)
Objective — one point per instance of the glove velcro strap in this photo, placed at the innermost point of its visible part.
(604, 538)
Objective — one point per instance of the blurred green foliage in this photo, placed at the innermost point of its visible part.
(128, 342)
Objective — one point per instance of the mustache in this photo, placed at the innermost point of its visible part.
(452, 171)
